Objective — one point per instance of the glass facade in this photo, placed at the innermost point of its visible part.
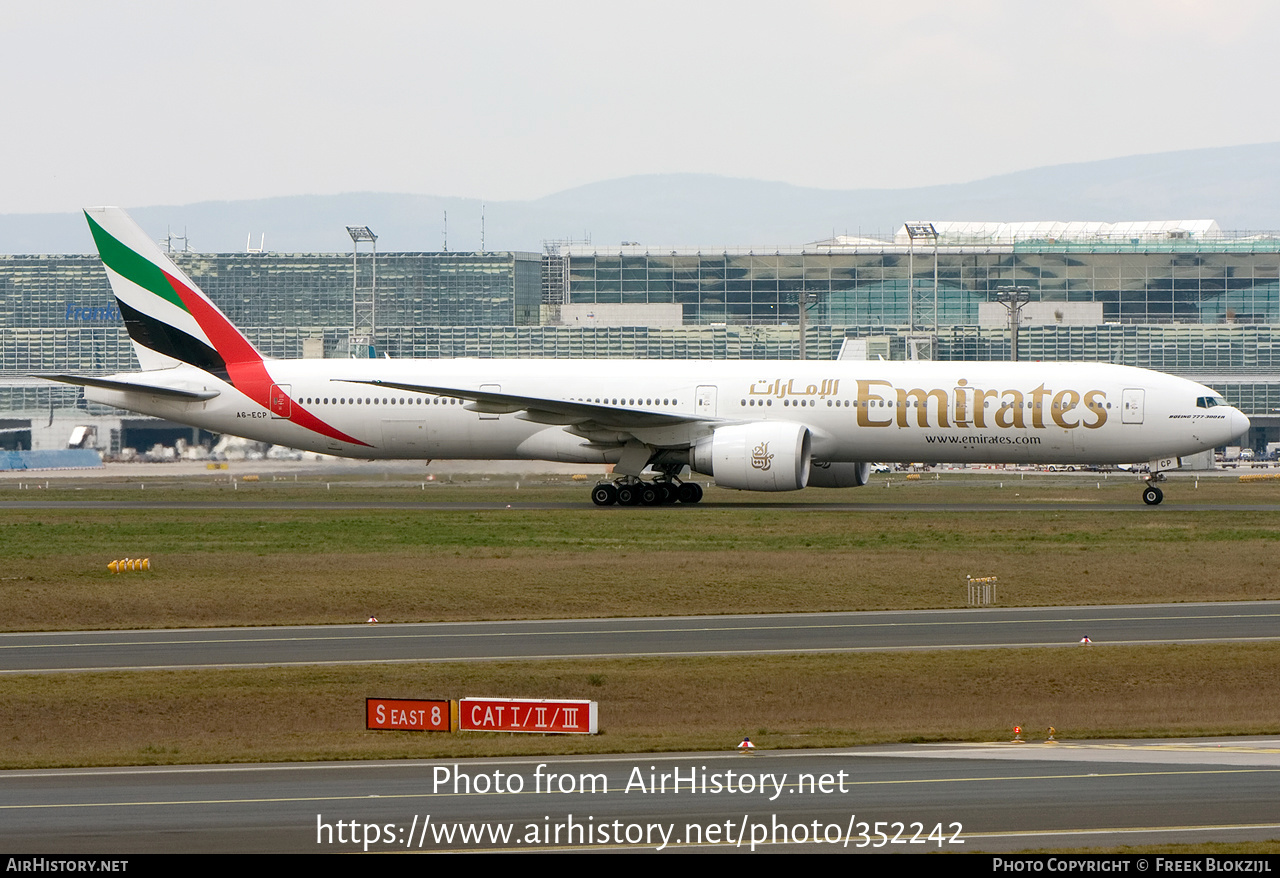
(1193, 281)
(263, 291)
(1207, 308)
(57, 312)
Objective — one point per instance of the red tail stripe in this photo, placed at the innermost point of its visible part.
(244, 364)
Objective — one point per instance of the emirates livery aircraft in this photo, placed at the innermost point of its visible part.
(751, 425)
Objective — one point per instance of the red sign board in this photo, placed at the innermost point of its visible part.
(406, 715)
(541, 716)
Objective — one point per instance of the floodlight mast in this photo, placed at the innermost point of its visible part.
(361, 340)
(924, 232)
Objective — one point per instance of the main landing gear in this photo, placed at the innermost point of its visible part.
(630, 491)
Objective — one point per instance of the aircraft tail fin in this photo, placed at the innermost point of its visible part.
(169, 319)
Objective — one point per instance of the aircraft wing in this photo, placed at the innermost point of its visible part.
(551, 411)
(132, 387)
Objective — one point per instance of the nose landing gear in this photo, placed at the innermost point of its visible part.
(1151, 494)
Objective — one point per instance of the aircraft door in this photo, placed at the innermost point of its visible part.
(405, 437)
(705, 400)
(1131, 406)
(279, 402)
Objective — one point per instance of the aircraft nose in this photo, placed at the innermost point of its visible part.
(1238, 422)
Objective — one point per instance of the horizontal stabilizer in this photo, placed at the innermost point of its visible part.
(132, 387)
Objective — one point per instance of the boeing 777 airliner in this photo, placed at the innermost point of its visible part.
(751, 425)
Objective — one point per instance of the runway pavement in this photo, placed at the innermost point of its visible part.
(1170, 505)
(902, 799)
(666, 636)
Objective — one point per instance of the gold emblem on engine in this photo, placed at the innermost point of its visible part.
(760, 456)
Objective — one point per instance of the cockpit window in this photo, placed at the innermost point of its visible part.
(1208, 402)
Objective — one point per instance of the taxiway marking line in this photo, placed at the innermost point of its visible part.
(612, 631)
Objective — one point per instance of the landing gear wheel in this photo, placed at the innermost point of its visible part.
(1152, 495)
(690, 492)
(604, 495)
(649, 495)
(629, 495)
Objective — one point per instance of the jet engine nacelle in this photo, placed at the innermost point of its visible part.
(839, 475)
(762, 456)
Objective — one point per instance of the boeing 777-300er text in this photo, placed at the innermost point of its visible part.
(751, 425)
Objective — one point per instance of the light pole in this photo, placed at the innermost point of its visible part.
(1013, 298)
(363, 299)
(804, 299)
(924, 232)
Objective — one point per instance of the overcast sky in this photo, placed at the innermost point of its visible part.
(146, 103)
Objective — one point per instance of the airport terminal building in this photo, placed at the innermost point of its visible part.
(1184, 297)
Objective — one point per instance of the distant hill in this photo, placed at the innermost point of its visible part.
(1238, 186)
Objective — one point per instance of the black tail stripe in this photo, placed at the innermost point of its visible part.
(172, 342)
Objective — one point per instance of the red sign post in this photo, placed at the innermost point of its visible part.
(537, 715)
(406, 715)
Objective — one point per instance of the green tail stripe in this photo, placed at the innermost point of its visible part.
(126, 263)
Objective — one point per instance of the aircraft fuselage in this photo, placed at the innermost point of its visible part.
(854, 410)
